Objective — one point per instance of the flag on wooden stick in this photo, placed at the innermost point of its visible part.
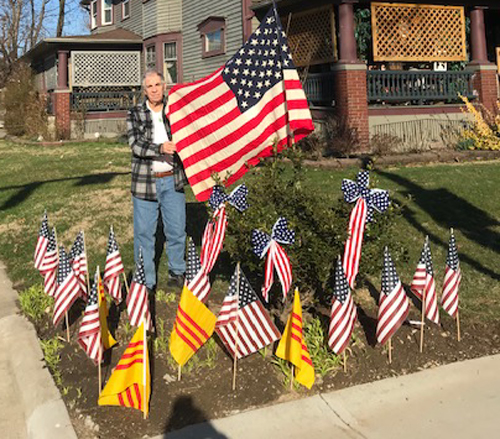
(227, 121)
(423, 283)
(292, 346)
(452, 279)
(243, 322)
(130, 383)
(113, 268)
(197, 279)
(42, 242)
(344, 312)
(68, 288)
(393, 303)
(89, 335)
(48, 266)
(108, 341)
(78, 260)
(137, 299)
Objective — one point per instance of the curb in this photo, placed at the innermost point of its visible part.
(44, 411)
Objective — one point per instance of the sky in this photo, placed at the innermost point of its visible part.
(76, 22)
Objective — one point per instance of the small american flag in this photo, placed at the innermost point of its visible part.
(227, 121)
(243, 323)
(78, 259)
(196, 278)
(213, 238)
(452, 279)
(48, 267)
(276, 256)
(113, 268)
(68, 289)
(344, 312)
(89, 335)
(42, 242)
(137, 299)
(424, 284)
(393, 304)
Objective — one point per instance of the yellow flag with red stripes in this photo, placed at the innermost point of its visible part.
(130, 383)
(292, 346)
(193, 326)
(108, 340)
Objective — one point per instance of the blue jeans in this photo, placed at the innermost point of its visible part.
(172, 205)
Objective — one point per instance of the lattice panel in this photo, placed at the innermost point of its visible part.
(106, 68)
(311, 36)
(410, 32)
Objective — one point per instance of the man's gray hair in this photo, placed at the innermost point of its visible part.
(150, 72)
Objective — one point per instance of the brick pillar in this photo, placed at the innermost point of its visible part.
(351, 101)
(485, 73)
(61, 97)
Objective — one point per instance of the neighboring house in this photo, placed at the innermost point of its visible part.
(188, 39)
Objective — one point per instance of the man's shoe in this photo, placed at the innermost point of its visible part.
(175, 280)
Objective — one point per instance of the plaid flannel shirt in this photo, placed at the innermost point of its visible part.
(140, 139)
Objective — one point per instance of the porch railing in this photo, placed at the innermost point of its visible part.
(319, 88)
(419, 86)
(104, 101)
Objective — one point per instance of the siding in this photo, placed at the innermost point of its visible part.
(134, 22)
(169, 16)
(193, 13)
(149, 19)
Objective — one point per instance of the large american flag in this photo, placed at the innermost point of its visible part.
(393, 304)
(228, 120)
(89, 335)
(78, 259)
(68, 289)
(423, 283)
(344, 312)
(113, 268)
(196, 277)
(452, 279)
(137, 299)
(243, 324)
(42, 242)
(48, 267)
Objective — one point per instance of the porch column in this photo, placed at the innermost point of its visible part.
(351, 100)
(485, 81)
(62, 97)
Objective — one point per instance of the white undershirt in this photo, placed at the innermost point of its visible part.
(159, 136)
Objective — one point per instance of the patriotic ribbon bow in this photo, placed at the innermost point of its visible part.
(276, 257)
(237, 198)
(376, 199)
(215, 230)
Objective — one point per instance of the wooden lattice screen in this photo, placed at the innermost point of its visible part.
(311, 36)
(411, 32)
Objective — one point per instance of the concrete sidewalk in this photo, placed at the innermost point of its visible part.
(30, 404)
(461, 400)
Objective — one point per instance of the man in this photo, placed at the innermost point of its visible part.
(158, 181)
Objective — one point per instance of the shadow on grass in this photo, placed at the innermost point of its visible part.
(450, 210)
(26, 190)
(184, 413)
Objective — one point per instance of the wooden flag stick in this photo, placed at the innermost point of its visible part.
(345, 362)
(458, 326)
(100, 347)
(291, 377)
(126, 283)
(86, 261)
(422, 325)
(235, 362)
(67, 326)
(390, 350)
(179, 373)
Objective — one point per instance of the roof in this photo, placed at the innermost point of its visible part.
(115, 37)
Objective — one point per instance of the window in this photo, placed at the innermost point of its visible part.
(170, 62)
(212, 32)
(125, 9)
(151, 57)
(93, 14)
(107, 12)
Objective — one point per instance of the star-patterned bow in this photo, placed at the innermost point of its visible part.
(280, 233)
(237, 198)
(376, 199)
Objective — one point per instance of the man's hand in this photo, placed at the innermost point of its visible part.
(168, 147)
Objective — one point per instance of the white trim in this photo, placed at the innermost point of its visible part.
(93, 22)
(165, 60)
(103, 13)
(123, 9)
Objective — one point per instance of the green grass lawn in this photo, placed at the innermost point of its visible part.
(86, 186)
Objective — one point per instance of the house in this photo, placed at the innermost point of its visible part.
(379, 67)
